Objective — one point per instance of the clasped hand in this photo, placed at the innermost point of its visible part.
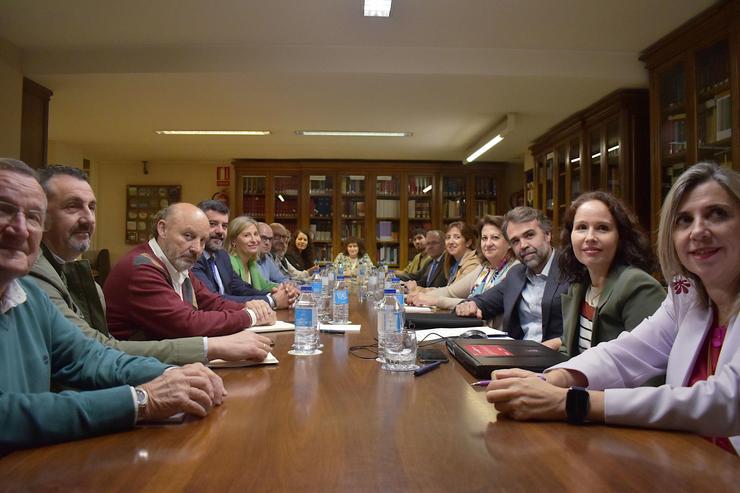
(523, 395)
(193, 389)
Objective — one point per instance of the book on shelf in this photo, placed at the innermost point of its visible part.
(385, 231)
(388, 254)
(387, 208)
(287, 185)
(352, 229)
(321, 206)
(353, 184)
(386, 185)
(453, 185)
(419, 185)
(320, 184)
(454, 208)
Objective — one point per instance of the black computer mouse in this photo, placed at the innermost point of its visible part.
(474, 334)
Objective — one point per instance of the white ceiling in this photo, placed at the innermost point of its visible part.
(446, 70)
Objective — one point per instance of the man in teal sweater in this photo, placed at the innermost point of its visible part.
(37, 344)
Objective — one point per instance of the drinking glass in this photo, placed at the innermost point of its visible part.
(400, 351)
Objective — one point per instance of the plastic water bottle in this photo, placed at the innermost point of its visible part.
(388, 281)
(341, 301)
(323, 298)
(306, 324)
(362, 280)
(390, 319)
(396, 283)
(317, 289)
(372, 281)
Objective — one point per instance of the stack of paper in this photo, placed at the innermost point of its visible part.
(220, 363)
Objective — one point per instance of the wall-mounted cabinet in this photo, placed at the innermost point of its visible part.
(694, 94)
(603, 147)
(380, 202)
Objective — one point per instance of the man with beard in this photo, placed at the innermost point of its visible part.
(151, 295)
(214, 267)
(70, 285)
(280, 240)
(38, 345)
(421, 259)
(529, 296)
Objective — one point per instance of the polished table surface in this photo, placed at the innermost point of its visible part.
(335, 422)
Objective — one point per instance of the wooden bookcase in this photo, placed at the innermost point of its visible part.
(694, 95)
(384, 203)
(603, 147)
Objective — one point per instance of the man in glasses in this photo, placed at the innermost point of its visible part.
(37, 344)
(70, 285)
(266, 262)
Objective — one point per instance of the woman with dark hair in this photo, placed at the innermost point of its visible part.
(300, 251)
(607, 257)
(353, 255)
(460, 259)
(496, 259)
(693, 338)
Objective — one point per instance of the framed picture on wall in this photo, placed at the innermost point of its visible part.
(142, 204)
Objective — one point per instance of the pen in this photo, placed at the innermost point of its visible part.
(331, 331)
(481, 383)
(427, 368)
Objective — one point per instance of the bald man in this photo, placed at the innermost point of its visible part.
(151, 295)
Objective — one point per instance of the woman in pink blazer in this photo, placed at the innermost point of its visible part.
(693, 338)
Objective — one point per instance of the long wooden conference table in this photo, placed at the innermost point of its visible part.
(335, 422)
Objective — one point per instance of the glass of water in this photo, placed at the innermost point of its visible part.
(400, 351)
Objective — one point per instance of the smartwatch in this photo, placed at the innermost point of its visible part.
(577, 405)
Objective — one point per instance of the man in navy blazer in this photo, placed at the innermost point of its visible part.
(214, 269)
(529, 296)
(432, 275)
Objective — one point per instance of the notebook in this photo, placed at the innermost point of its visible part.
(481, 356)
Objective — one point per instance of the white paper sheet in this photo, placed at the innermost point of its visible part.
(340, 328)
(431, 334)
(279, 326)
(220, 363)
(417, 309)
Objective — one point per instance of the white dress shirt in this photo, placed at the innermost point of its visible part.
(530, 307)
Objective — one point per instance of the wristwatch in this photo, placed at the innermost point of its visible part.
(142, 399)
(577, 405)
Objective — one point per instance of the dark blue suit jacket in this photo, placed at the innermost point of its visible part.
(235, 289)
(506, 295)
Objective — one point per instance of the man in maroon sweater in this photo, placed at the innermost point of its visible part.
(150, 294)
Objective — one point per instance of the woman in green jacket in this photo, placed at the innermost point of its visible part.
(607, 258)
(243, 243)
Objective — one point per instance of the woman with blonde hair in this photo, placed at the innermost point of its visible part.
(243, 244)
(693, 338)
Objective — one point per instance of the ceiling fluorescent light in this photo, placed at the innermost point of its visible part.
(595, 156)
(212, 132)
(492, 138)
(612, 149)
(377, 8)
(342, 133)
(575, 160)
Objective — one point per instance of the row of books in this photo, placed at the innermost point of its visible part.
(715, 119)
(287, 185)
(674, 134)
(254, 185)
(387, 185)
(388, 254)
(354, 208)
(387, 231)
(453, 208)
(353, 184)
(485, 186)
(253, 205)
(289, 208)
(420, 209)
(321, 184)
(388, 208)
(452, 185)
(319, 232)
(713, 68)
(672, 90)
(321, 206)
(483, 207)
(419, 185)
(353, 229)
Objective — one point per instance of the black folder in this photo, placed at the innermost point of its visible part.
(481, 356)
